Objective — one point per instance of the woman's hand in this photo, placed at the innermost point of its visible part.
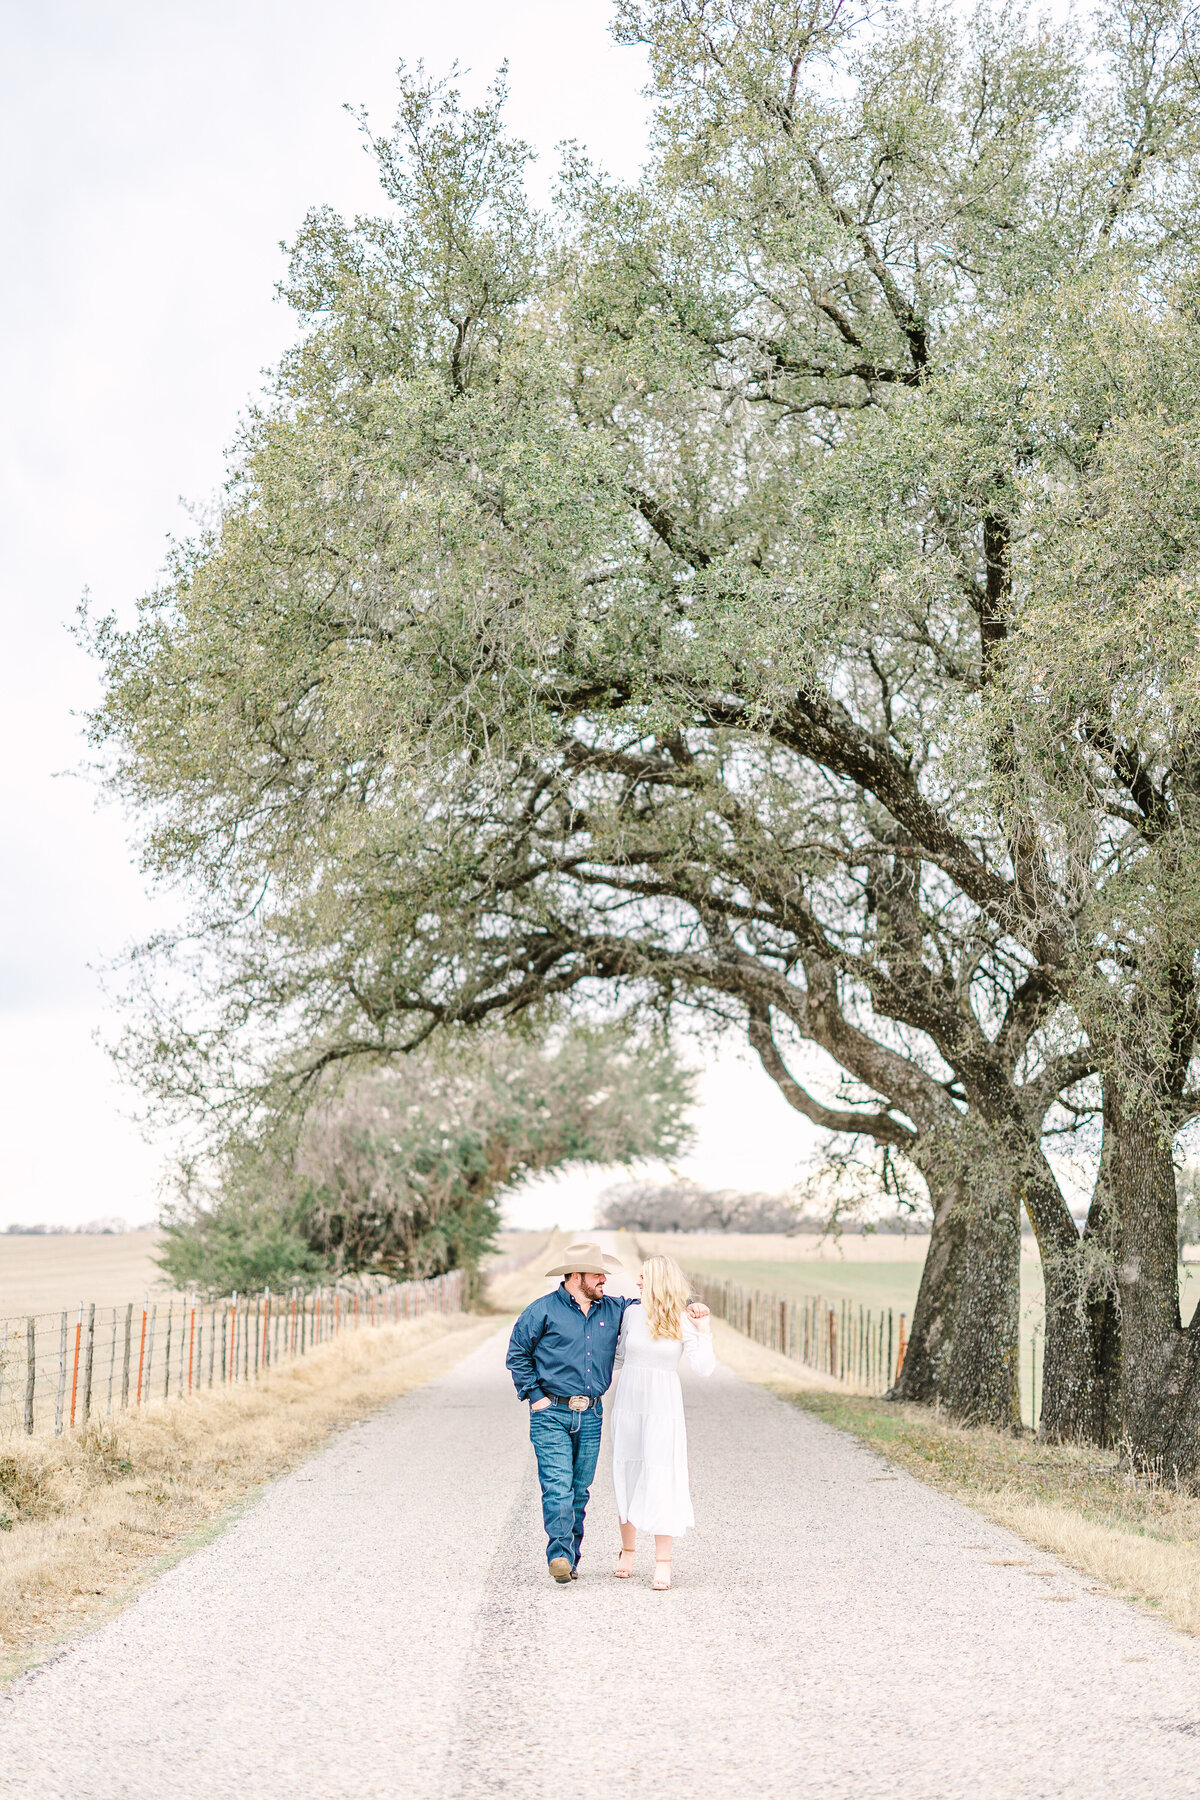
(698, 1313)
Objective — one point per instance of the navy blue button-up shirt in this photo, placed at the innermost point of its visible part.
(557, 1348)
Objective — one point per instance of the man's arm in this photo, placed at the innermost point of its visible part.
(525, 1334)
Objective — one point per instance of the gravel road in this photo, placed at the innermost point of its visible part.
(381, 1624)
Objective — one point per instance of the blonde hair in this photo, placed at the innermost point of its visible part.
(665, 1294)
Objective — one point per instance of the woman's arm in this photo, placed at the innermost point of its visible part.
(698, 1344)
(622, 1337)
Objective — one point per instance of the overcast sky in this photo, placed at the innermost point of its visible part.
(154, 156)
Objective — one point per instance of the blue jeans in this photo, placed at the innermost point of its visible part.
(566, 1445)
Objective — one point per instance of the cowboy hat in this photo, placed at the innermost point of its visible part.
(586, 1259)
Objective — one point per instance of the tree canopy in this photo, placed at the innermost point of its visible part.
(766, 589)
(400, 1171)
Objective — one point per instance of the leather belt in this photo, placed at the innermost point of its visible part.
(576, 1402)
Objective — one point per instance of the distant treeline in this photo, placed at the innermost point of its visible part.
(685, 1206)
(94, 1228)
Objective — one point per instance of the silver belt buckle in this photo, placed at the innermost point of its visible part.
(579, 1403)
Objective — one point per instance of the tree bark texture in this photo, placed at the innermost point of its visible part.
(964, 1346)
(1159, 1382)
(981, 1380)
(931, 1338)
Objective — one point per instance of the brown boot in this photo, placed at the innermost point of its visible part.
(560, 1568)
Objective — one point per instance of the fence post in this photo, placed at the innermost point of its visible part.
(127, 1357)
(30, 1370)
(150, 1347)
(62, 1375)
(167, 1351)
(903, 1345)
(89, 1357)
(142, 1347)
(75, 1363)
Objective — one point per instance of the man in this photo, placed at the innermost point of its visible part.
(561, 1356)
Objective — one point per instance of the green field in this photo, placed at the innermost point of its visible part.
(895, 1284)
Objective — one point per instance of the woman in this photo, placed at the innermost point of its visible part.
(649, 1439)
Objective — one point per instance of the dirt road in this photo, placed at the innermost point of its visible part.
(381, 1624)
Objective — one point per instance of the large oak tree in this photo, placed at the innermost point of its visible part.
(695, 595)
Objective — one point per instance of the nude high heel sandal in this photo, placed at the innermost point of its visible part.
(620, 1573)
(661, 1583)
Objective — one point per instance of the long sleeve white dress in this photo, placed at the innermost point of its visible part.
(649, 1437)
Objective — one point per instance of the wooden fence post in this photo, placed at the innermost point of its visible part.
(89, 1355)
(62, 1376)
(150, 1347)
(128, 1355)
(30, 1370)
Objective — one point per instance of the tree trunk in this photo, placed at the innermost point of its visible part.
(1081, 1325)
(1159, 1377)
(964, 1343)
(981, 1380)
(931, 1338)
(1076, 1316)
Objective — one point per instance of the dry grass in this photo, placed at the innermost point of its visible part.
(1139, 1537)
(86, 1515)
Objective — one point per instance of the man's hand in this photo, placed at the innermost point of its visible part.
(539, 1405)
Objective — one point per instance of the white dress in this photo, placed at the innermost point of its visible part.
(649, 1437)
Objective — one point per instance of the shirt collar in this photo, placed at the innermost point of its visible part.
(563, 1294)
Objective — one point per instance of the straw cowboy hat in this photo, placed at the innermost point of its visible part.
(586, 1259)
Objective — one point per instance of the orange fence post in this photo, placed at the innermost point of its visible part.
(903, 1345)
(142, 1350)
(75, 1370)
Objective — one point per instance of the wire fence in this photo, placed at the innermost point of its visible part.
(863, 1346)
(91, 1361)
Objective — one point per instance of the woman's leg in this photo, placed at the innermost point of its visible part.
(625, 1555)
(662, 1563)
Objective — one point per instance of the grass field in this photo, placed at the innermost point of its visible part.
(44, 1274)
